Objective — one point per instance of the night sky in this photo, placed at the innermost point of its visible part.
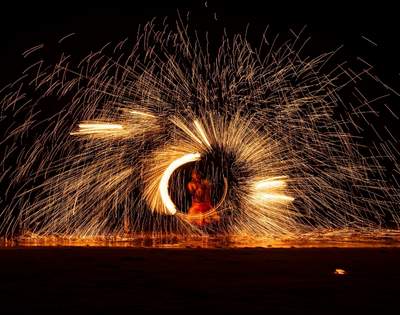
(330, 24)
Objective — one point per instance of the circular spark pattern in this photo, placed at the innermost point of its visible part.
(268, 124)
(164, 185)
(164, 182)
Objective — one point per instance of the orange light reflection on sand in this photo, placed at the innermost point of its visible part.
(148, 240)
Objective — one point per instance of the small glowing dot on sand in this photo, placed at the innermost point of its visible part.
(340, 272)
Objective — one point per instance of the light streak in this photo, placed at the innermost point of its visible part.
(164, 182)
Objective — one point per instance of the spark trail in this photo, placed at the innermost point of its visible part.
(265, 123)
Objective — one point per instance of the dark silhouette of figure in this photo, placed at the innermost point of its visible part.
(200, 189)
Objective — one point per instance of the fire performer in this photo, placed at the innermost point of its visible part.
(200, 189)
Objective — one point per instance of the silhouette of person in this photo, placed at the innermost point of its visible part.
(200, 189)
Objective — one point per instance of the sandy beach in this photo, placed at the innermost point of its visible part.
(70, 280)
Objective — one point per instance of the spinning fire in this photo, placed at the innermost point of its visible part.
(266, 127)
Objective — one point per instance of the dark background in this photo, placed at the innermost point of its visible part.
(330, 24)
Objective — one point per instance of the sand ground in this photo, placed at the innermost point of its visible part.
(199, 281)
